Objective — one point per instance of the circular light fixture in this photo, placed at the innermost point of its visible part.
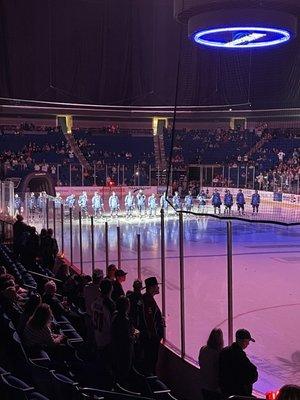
(241, 37)
(238, 27)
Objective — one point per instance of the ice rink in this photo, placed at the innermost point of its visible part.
(266, 276)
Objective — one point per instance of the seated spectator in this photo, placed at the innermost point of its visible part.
(63, 274)
(37, 332)
(2, 270)
(31, 305)
(10, 301)
(237, 373)
(118, 290)
(92, 290)
(289, 392)
(123, 335)
(209, 365)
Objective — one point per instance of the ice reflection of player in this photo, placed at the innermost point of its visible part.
(42, 205)
(114, 204)
(176, 201)
(97, 205)
(17, 205)
(83, 204)
(70, 203)
(141, 202)
(202, 201)
(129, 204)
(164, 204)
(188, 201)
(152, 205)
(32, 205)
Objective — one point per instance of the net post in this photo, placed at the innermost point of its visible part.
(54, 219)
(62, 227)
(163, 264)
(71, 236)
(119, 245)
(80, 243)
(92, 243)
(106, 246)
(181, 268)
(229, 283)
(139, 261)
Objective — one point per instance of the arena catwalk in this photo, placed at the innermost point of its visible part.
(266, 273)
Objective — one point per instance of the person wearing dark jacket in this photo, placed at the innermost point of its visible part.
(49, 250)
(237, 373)
(123, 336)
(118, 290)
(154, 324)
(19, 229)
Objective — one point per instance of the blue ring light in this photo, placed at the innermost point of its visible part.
(241, 37)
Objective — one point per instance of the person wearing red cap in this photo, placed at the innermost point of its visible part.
(154, 325)
(237, 373)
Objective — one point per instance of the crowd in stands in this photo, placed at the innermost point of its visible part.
(89, 328)
(86, 329)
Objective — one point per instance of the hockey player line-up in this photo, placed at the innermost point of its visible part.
(139, 203)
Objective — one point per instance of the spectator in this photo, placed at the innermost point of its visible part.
(209, 365)
(237, 373)
(102, 312)
(19, 229)
(111, 272)
(31, 249)
(118, 290)
(92, 290)
(154, 325)
(31, 305)
(49, 250)
(289, 392)
(123, 334)
(280, 155)
(37, 332)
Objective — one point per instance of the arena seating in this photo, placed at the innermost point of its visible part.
(35, 374)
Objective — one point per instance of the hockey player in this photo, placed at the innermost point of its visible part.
(228, 202)
(176, 201)
(83, 204)
(70, 203)
(240, 201)
(129, 204)
(255, 201)
(32, 205)
(114, 204)
(97, 205)
(41, 204)
(17, 205)
(216, 201)
(189, 202)
(141, 202)
(152, 205)
(202, 201)
(164, 203)
(58, 201)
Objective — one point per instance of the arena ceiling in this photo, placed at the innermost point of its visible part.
(125, 52)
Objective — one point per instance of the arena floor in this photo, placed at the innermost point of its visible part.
(266, 265)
